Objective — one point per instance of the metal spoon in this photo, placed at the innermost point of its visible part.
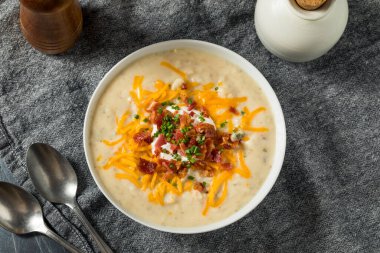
(55, 179)
(20, 213)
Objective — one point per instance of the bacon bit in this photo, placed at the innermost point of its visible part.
(204, 112)
(203, 148)
(233, 110)
(153, 106)
(181, 152)
(184, 120)
(160, 141)
(161, 166)
(178, 135)
(182, 149)
(183, 86)
(216, 156)
(226, 145)
(165, 164)
(179, 166)
(225, 137)
(226, 142)
(168, 175)
(191, 106)
(191, 113)
(159, 121)
(146, 166)
(143, 136)
(201, 156)
(199, 186)
(207, 173)
(200, 165)
(168, 166)
(174, 147)
(182, 173)
(190, 103)
(207, 129)
(210, 146)
(156, 118)
(192, 141)
(192, 133)
(227, 166)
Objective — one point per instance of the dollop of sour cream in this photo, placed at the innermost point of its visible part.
(196, 119)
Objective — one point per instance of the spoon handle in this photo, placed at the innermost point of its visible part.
(63, 242)
(99, 241)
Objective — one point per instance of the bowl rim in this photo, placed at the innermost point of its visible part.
(234, 58)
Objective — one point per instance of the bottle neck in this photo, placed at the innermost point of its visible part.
(310, 15)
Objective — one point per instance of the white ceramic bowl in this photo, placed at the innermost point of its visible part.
(235, 59)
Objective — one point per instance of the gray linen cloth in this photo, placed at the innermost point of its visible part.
(327, 197)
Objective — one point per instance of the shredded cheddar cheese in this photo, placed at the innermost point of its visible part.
(179, 72)
(127, 152)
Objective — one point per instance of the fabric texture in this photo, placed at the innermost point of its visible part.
(327, 197)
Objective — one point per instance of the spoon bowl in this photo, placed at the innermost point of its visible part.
(52, 174)
(55, 179)
(21, 213)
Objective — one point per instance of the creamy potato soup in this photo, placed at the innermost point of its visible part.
(182, 138)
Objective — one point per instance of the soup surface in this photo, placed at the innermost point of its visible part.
(225, 99)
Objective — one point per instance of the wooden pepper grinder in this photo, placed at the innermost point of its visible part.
(51, 26)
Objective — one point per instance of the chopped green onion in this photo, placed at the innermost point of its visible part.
(185, 129)
(201, 139)
(185, 140)
(194, 150)
(167, 103)
(177, 157)
(224, 123)
(191, 159)
(175, 107)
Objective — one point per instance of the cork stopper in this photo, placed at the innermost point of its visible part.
(310, 5)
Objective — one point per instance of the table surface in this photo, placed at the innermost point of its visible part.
(326, 198)
(27, 243)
